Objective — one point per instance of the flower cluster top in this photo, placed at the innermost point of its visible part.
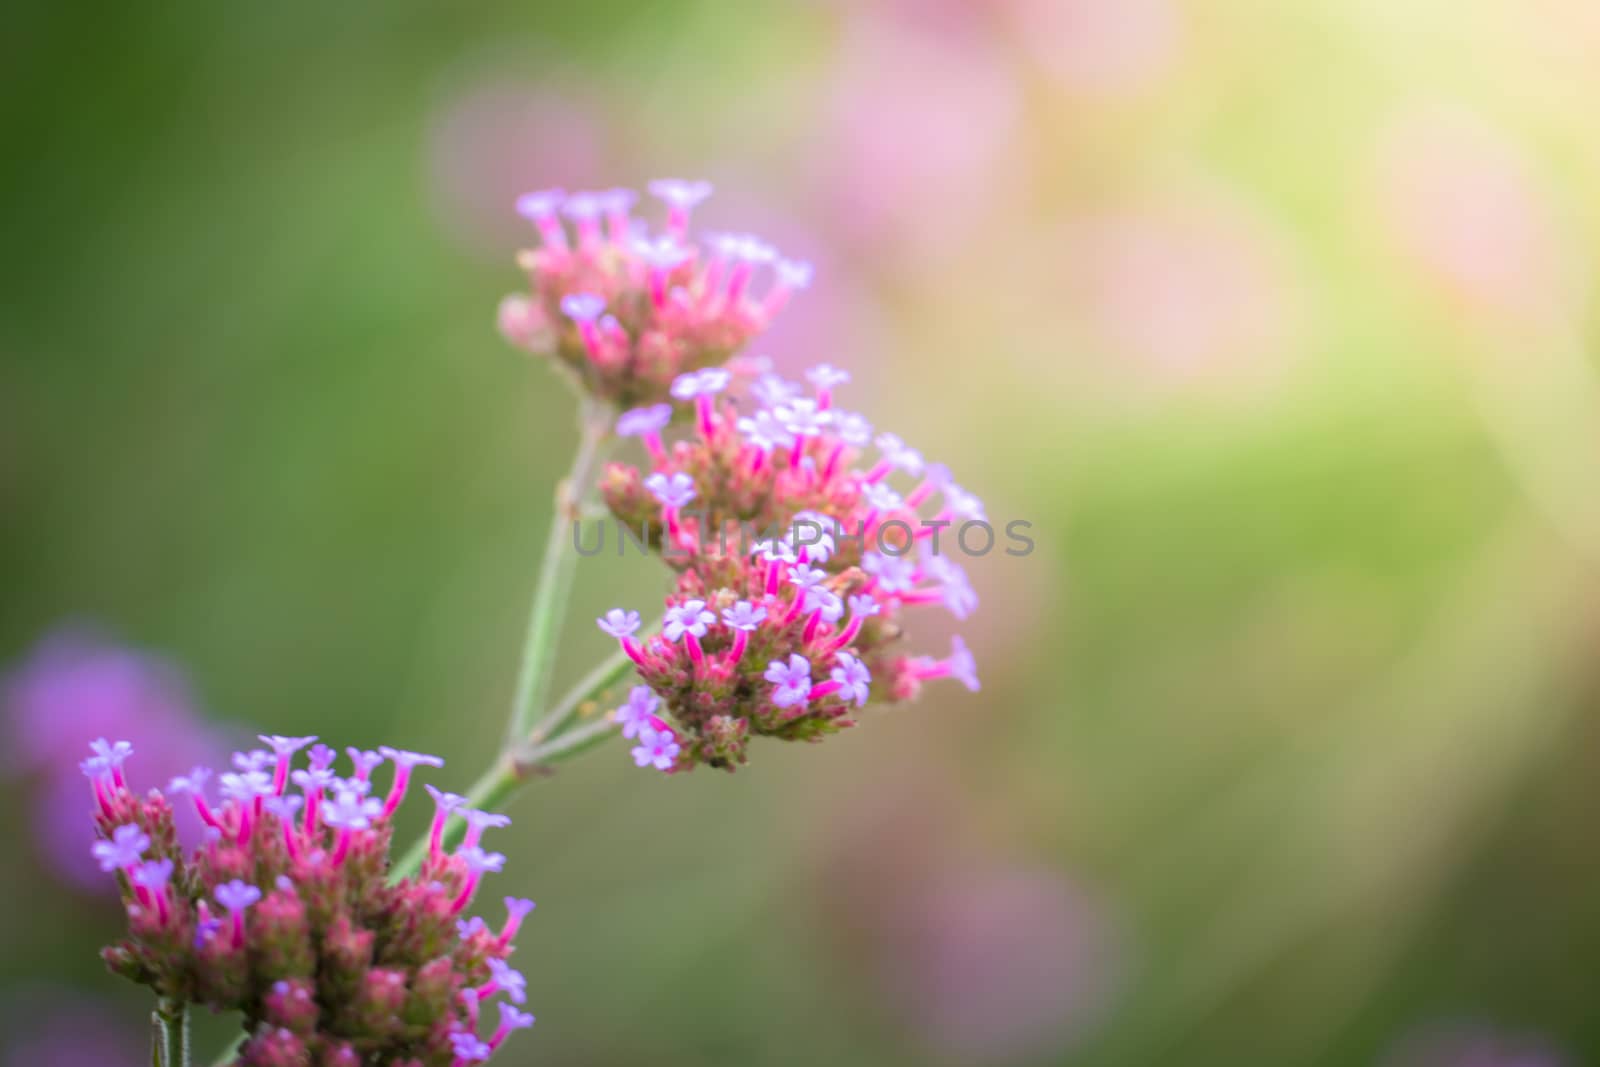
(626, 311)
(285, 912)
(796, 555)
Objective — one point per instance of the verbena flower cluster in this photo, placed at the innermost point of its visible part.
(627, 311)
(286, 914)
(796, 555)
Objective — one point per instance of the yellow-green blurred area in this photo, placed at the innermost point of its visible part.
(1273, 318)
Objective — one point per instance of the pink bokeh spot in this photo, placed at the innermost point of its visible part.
(1091, 46)
(919, 123)
(1186, 287)
(496, 139)
(1457, 199)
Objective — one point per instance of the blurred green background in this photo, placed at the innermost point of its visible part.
(1272, 317)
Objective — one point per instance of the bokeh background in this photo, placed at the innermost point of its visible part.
(1274, 318)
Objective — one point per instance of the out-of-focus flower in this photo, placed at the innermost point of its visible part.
(75, 687)
(64, 1030)
(794, 570)
(489, 138)
(1187, 287)
(919, 133)
(1458, 200)
(285, 912)
(1472, 1045)
(995, 966)
(1091, 46)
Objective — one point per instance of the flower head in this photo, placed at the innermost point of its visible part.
(808, 561)
(284, 926)
(679, 304)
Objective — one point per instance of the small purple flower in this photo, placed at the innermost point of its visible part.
(469, 1047)
(963, 668)
(112, 754)
(963, 505)
(583, 307)
(825, 601)
(286, 747)
(697, 383)
(194, 782)
(583, 206)
(826, 376)
(792, 680)
(619, 623)
(284, 807)
(540, 204)
(802, 417)
(690, 617)
(863, 605)
(635, 714)
(656, 748)
(673, 492)
(618, 201)
(509, 980)
(954, 587)
(401, 758)
(257, 759)
(853, 429)
(478, 861)
(881, 497)
(764, 431)
(662, 253)
(125, 848)
(775, 550)
(513, 1019)
(853, 677)
(898, 454)
(465, 928)
(313, 780)
(805, 577)
(349, 810)
(641, 421)
(895, 574)
(774, 391)
(152, 874)
(744, 616)
(365, 762)
(237, 895)
(443, 801)
(818, 539)
(679, 193)
(246, 786)
(478, 821)
(794, 273)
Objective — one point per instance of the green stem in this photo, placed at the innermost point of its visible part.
(591, 686)
(554, 586)
(576, 740)
(170, 1027)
